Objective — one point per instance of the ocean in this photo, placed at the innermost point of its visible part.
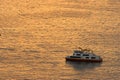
(37, 35)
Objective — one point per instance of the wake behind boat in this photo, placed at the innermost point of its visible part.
(84, 55)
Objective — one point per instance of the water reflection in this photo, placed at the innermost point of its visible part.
(83, 65)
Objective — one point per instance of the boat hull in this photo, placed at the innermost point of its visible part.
(82, 60)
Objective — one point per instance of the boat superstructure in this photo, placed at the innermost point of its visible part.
(84, 56)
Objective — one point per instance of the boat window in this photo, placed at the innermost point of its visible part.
(85, 54)
(87, 57)
(78, 54)
(92, 57)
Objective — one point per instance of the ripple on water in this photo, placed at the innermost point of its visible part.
(7, 49)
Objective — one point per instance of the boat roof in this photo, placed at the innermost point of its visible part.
(84, 51)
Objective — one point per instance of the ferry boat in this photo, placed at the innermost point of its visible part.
(84, 55)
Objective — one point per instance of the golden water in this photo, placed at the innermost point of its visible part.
(36, 35)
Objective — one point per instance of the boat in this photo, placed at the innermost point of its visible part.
(84, 55)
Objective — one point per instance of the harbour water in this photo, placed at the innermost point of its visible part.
(37, 35)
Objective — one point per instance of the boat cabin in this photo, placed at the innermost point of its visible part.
(84, 55)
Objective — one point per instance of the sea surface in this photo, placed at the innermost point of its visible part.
(37, 35)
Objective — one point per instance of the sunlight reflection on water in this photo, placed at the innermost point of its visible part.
(36, 35)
